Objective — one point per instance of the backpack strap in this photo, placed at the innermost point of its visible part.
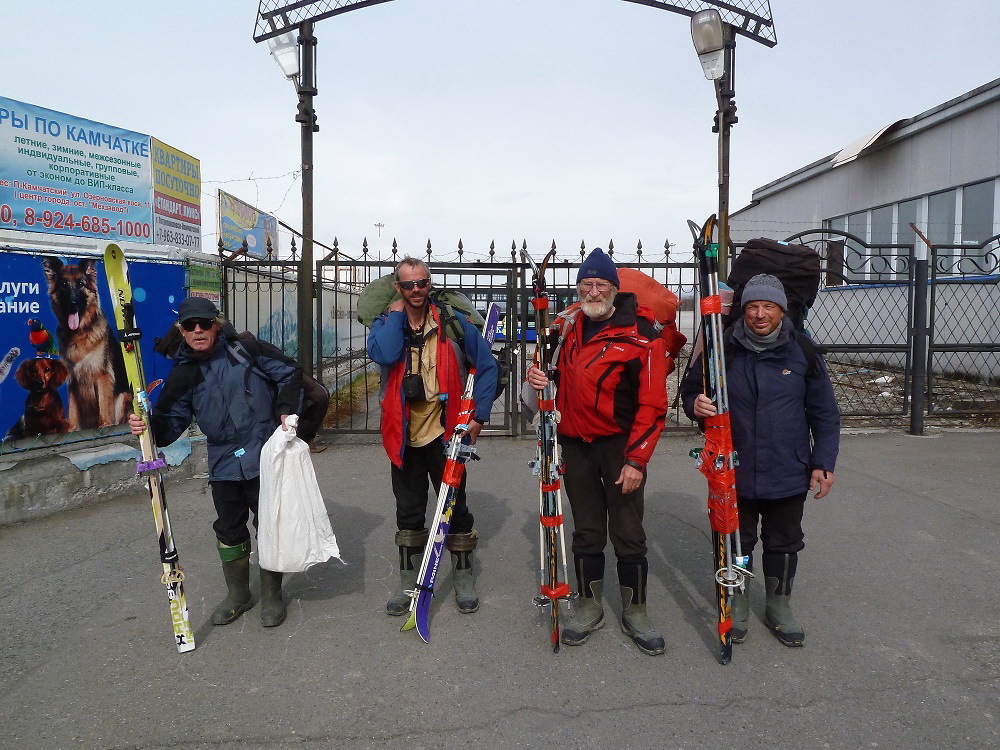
(811, 350)
(568, 318)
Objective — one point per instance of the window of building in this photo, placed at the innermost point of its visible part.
(977, 213)
(882, 266)
(907, 213)
(856, 264)
(941, 228)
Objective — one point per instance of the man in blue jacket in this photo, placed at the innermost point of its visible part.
(786, 432)
(238, 402)
(423, 374)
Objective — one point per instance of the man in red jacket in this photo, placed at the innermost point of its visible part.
(612, 398)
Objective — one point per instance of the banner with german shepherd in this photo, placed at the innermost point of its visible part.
(61, 369)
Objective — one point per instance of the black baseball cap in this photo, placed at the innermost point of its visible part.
(197, 307)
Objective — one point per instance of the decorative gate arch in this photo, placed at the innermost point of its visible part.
(751, 18)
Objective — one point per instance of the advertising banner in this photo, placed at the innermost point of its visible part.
(176, 197)
(205, 281)
(239, 221)
(62, 174)
(61, 368)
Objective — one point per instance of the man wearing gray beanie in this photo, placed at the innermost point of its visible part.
(786, 432)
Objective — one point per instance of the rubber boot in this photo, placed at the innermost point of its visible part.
(588, 612)
(236, 570)
(272, 607)
(461, 546)
(635, 622)
(411, 551)
(779, 571)
(740, 610)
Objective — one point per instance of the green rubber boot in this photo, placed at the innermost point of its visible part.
(588, 611)
(740, 613)
(461, 546)
(236, 570)
(272, 607)
(778, 588)
(635, 621)
(411, 551)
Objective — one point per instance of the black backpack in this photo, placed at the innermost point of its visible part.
(796, 266)
(315, 396)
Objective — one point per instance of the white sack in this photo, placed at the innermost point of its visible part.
(294, 530)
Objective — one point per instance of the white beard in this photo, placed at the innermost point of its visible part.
(598, 309)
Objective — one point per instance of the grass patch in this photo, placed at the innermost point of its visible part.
(350, 398)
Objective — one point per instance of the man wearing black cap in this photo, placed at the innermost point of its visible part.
(786, 431)
(238, 401)
(612, 398)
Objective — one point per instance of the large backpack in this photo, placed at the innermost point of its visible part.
(376, 297)
(796, 266)
(649, 293)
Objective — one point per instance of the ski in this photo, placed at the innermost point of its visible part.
(152, 462)
(458, 454)
(717, 460)
(547, 466)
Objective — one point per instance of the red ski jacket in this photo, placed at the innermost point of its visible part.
(616, 383)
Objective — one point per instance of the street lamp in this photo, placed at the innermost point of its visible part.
(715, 43)
(378, 226)
(297, 60)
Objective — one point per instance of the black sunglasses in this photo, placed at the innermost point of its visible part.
(205, 324)
(418, 283)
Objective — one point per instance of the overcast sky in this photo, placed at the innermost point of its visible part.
(495, 120)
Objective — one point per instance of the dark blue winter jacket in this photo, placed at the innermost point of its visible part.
(784, 424)
(236, 406)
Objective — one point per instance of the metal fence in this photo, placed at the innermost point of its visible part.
(866, 317)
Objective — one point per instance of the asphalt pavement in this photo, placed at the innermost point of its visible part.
(897, 591)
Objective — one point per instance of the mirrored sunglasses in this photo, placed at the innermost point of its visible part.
(418, 283)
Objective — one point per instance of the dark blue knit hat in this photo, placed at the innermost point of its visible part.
(598, 266)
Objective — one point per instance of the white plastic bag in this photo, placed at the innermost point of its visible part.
(294, 530)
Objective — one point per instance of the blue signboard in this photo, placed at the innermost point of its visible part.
(61, 174)
(60, 362)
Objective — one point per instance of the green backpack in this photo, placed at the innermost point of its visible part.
(379, 294)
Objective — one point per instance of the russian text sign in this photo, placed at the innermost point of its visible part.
(239, 222)
(62, 174)
(176, 197)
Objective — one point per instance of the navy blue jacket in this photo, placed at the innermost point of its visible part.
(784, 425)
(236, 413)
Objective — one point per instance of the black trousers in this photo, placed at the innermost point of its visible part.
(780, 524)
(599, 507)
(422, 467)
(233, 503)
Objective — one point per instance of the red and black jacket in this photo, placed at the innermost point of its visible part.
(616, 383)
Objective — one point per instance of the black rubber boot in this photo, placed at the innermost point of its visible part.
(411, 550)
(635, 622)
(461, 547)
(272, 607)
(779, 571)
(236, 569)
(588, 612)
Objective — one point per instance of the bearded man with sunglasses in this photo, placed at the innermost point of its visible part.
(611, 395)
(423, 374)
(238, 403)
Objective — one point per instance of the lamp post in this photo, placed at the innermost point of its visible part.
(378, 226)
(715, 44)
(297, 60)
